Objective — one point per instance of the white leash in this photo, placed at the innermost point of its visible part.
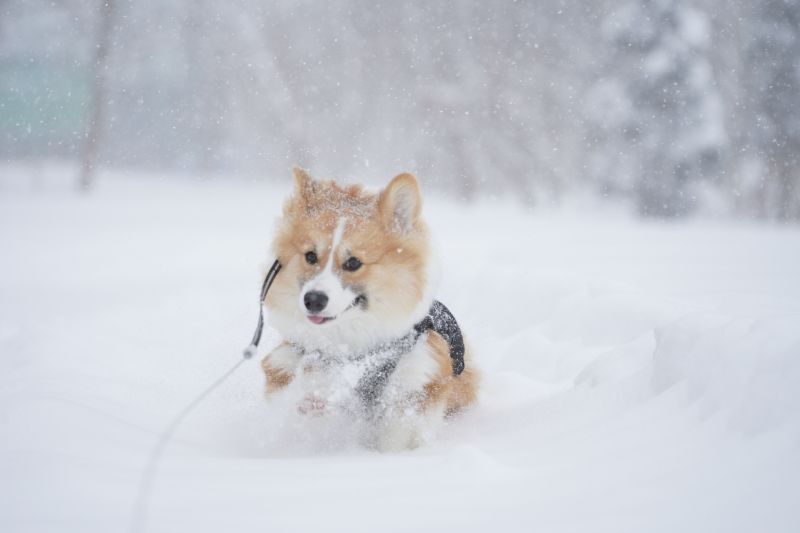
(141, 505)
(144, 492)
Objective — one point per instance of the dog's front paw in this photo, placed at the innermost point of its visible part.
(312, 405)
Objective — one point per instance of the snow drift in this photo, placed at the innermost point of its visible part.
(638, 377)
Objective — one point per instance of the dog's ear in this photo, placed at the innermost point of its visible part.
(303, 185)
(400, 203)
(302, 181)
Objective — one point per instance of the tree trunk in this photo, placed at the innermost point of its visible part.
(97, 111)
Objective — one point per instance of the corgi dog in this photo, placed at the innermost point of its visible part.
(354, 304)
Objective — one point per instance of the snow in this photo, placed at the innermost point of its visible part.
(639, 376)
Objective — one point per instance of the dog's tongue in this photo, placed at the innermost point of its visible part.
(316, 319)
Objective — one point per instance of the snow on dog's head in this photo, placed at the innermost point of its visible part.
(355, 264)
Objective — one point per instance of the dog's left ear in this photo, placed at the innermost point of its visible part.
(400, 203)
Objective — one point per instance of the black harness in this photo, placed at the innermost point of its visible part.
(442, 321)
(438, 319)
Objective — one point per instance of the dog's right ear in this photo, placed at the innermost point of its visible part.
(302, 182)
(303, 186)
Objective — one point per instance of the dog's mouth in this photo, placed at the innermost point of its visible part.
(360, 300)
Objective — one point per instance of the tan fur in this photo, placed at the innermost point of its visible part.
(276, 378)
(455, 392)
(393, 262)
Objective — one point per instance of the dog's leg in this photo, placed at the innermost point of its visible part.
(408, 424)
(410, 419)
(280, 366)
(422, 392)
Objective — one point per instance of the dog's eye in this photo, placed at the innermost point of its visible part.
(311, 258)
(352, 264)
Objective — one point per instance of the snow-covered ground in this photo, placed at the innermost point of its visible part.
(639, 376)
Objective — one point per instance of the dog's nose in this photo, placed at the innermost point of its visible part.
(315, 301)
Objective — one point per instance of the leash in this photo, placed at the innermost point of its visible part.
(273, 271)
(144, 491)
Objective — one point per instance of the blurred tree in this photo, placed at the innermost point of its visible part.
(673, 119)
(773, 56)
(537, 99)
(100, 94)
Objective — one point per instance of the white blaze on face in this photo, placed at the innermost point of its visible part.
(339, 297)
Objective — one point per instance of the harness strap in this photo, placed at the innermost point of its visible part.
(442, 321)
(372, 384)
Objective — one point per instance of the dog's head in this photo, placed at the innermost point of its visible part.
(355, 264)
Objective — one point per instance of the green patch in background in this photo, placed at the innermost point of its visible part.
(42, 108)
